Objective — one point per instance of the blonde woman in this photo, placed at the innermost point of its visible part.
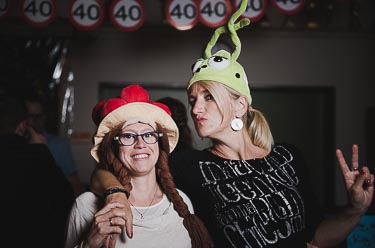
(250, 191)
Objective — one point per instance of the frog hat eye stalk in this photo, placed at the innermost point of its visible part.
(223, 67)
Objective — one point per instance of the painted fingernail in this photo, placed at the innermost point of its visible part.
(362, 172)
(368, 182)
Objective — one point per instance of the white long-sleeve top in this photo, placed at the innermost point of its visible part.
(161, 226)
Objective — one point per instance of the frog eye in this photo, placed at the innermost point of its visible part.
(196, 65)
(218, 62)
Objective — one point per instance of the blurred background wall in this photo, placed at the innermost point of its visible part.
(324, 50)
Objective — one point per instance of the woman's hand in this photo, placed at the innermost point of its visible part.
(359, 186)
(125, 211)
(359, 182)
(108, 223)
(102, 180)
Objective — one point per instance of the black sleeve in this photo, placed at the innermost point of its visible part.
(314, 212)
(55, 193)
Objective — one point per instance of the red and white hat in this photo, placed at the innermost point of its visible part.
(133, 105)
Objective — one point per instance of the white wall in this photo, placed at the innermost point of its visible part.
(271, 58)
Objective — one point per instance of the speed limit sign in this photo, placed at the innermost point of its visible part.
(5, 8)
(182, 14)
(214, 13)
(255, 9)
(38, 13)
(86, 14)
(127, 15)
(288, 7)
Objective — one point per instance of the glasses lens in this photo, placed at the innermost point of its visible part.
(150, 138)
(128, 139)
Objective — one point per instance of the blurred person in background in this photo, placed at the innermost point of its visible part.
(30, 202)
(179, 115)
(59, 147)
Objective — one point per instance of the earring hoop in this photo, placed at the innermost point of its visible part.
(236, 124)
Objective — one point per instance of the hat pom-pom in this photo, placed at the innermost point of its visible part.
(134, 93)
(129, 94)
(96, 113)
(111, 105)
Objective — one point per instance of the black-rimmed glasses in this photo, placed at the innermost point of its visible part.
(128, 139)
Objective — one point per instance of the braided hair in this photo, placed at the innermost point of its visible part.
(108, 150)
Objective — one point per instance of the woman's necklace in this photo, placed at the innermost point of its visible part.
(142, 214)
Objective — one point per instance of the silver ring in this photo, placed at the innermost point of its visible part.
(110, 222)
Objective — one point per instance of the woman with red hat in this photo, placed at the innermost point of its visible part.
(133, 140)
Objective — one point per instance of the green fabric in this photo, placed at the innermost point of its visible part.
(222, 66)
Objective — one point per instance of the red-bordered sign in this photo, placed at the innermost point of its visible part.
(38, 13)
(182, 14)
(5, 7)
(288, 7)
(214, 13)
(255, 9)
(127, 15)
(86, 14)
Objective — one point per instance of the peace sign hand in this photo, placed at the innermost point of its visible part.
(359, 182)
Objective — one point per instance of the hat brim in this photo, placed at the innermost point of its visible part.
(131, 111)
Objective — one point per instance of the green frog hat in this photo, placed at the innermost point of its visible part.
(222, 67)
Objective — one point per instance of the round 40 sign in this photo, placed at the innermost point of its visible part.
(181, 14)
(127, 15)
(86, 14)
(38, 13)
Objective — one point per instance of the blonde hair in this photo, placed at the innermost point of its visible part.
(257, 125)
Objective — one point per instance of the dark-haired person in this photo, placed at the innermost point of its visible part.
(179, 115)
(28, 202)
(60, 148)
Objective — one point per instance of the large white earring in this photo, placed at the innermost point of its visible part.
(236, 124)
